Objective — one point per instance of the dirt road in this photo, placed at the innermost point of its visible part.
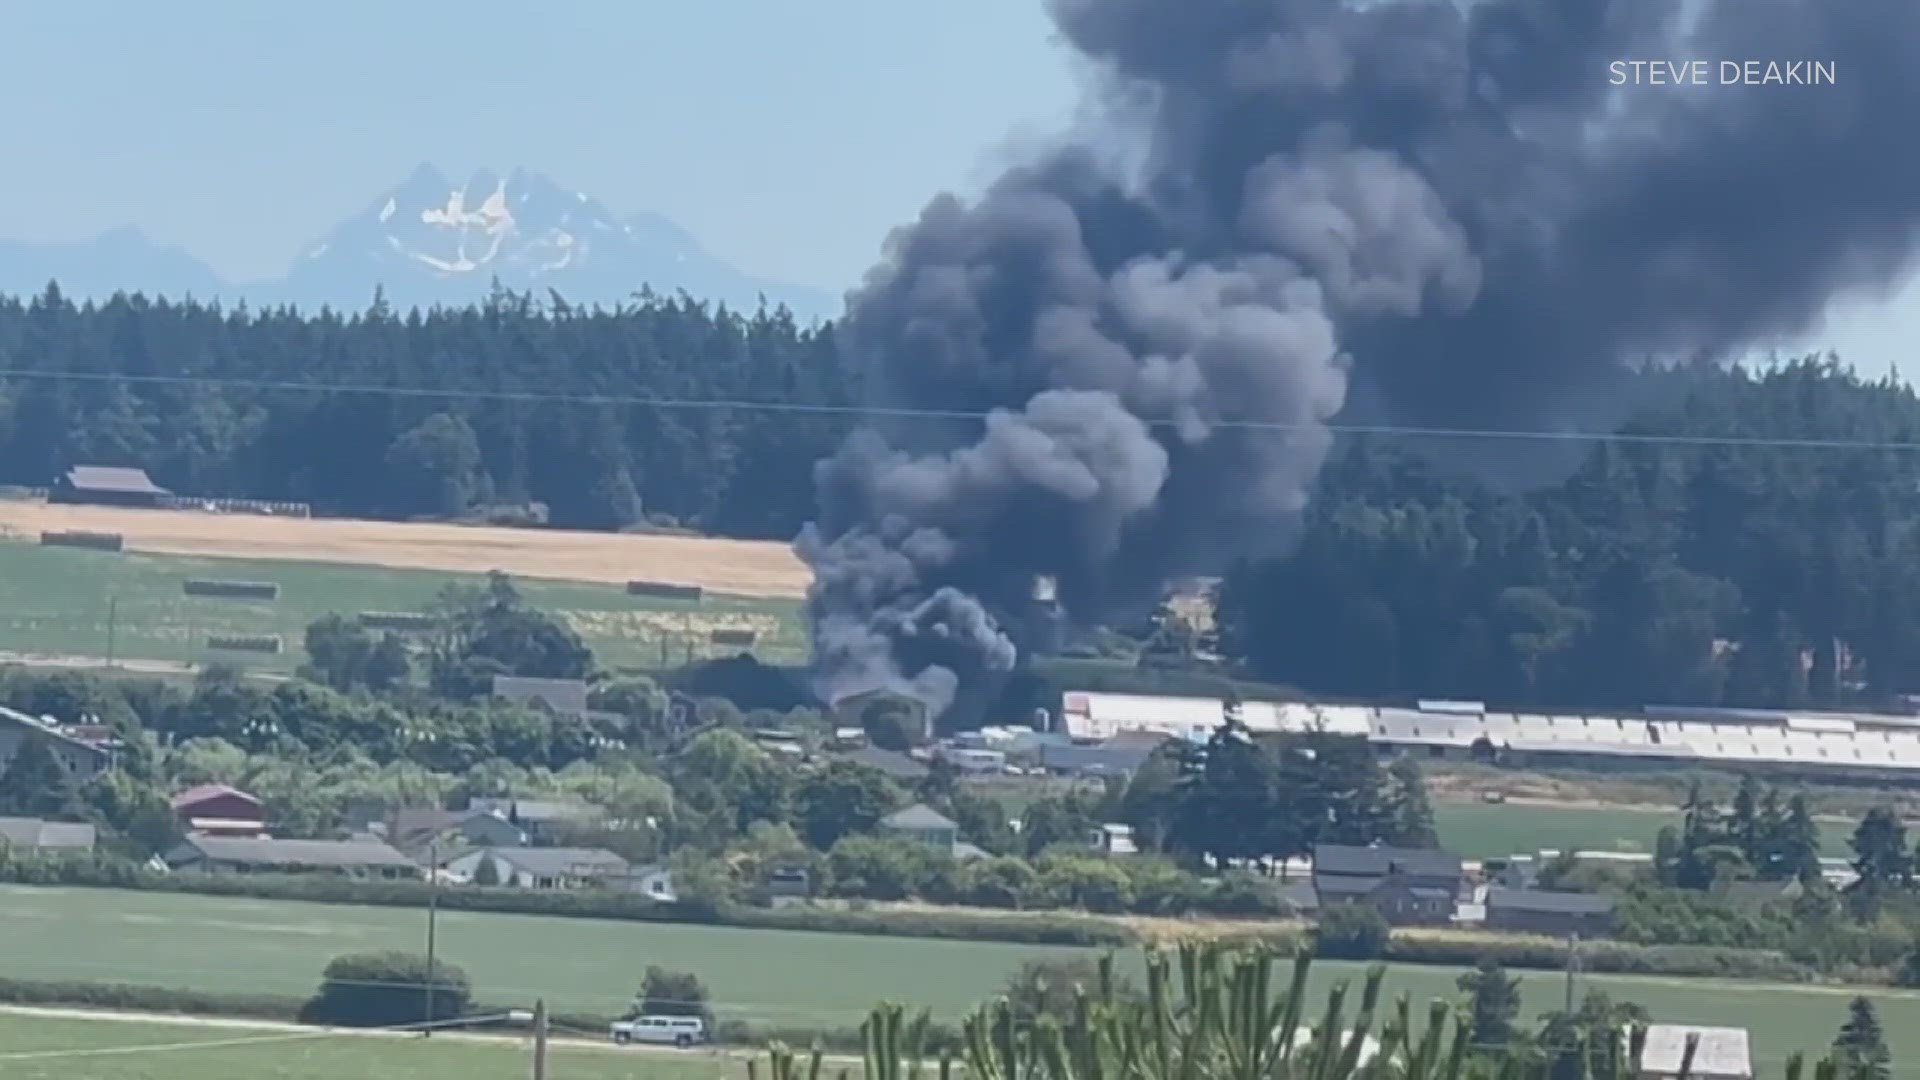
(220, 1027)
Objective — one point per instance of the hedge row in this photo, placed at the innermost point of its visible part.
(231, 590)
(1062, 929)
(1459, 948)
(1453, 948)
(266, 643)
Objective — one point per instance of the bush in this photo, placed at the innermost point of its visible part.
(673, 993)
(1351, 932)
(1050, 988)
(389, 989)
(1249, 895)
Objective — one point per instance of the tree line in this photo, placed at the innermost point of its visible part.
(1768, 555)
(475, 428)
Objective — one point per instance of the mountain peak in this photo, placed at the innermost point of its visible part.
(431, 239)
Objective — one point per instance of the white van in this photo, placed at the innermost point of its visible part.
(661, 1030)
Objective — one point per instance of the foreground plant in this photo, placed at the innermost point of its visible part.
(1213, 1012)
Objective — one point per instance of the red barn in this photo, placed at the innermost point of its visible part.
(219, 810)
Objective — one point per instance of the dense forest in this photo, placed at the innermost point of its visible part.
(1751, 540)
(200, 411)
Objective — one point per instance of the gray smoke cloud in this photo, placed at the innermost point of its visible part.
(1423, 212)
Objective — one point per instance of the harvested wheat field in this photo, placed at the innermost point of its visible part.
(737, 567)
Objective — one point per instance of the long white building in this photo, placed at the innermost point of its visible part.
(1856, 742)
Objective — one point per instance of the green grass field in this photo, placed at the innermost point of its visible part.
(56, 601)
(773, 977)
(40, 1048)
(1483, 830)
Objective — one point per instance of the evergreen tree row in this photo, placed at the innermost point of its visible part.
(203, 406)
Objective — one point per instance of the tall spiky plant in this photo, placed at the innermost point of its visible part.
(1212, 1012)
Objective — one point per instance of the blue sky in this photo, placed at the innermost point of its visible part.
(788, 135)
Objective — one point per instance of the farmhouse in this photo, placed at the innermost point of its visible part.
(415, 831)
(562, 697)
(36, 834)
(922, 824)
(855, 710)
(219, 810)
(81, 757)
(107, 486)
(541, 868)
(259, 855)
(1541, 911)
(543, 822)
(1409, 886)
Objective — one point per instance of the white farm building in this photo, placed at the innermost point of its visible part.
(1800, 741)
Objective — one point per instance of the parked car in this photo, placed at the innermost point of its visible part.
(681, 1031)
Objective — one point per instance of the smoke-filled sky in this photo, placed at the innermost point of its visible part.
(1288, 211)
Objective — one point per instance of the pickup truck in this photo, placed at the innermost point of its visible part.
(681, 1031)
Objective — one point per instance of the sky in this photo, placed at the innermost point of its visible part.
(789, 136)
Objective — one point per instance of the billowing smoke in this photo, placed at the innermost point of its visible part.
(1426, 212)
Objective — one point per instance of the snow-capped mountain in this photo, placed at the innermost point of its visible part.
(428, 241)
(432, 240)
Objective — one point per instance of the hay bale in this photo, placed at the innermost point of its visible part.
(398, 620)
(232, 590)
(260, 643)
(664, 590)
(734, 636)
(95, 541)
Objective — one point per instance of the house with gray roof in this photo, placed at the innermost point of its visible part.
(416, 830)
(366, 858)
(1409, 886)
(81, 758)
(1543, 911)
(542, 820)
(922, 824)
(562, 697)
(21, 834)
(107, 486)
(542, 867)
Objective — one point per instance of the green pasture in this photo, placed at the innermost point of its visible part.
(784, 978)
(69, 602)
(1485, 830)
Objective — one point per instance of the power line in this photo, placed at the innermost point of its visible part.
(907, 413)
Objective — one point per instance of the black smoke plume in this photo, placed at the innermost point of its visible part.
(1440, 211)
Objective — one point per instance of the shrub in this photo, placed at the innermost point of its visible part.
(1241, 893)
(1049, 988)
(1351, 932)
(673, 993)
(388, 989)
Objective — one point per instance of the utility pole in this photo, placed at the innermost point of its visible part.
(1573, 965)
(113, 614)
(540, 1040)
(433, 914)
